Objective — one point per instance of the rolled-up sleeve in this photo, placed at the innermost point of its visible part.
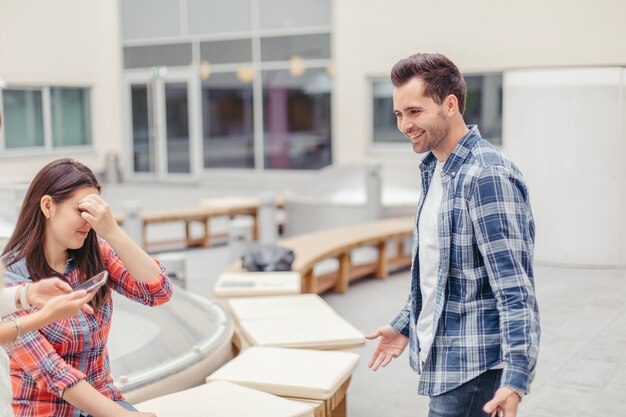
(504, 231)
(34, 354)
(153, 293)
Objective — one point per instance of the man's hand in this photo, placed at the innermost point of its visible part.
(506, 400)
(391, 345)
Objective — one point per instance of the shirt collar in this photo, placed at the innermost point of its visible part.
(458, 155)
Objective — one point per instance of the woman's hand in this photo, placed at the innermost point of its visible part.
(98, 214)
(39, 293)
(66, 305)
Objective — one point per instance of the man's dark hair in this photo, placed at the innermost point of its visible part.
(439, 75)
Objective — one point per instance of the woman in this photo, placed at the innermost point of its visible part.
(65, 366)
(44, 295)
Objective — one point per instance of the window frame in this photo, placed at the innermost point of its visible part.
(46, 106)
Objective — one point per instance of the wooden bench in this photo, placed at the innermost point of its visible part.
(209, 208)
(312, 248)
(188, 216)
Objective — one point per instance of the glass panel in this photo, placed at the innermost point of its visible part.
(297, 119)
(217, 16)
(143, 19)
(283, 48)
(157, 55)
(228, 122)
(71, 117)
(484, 105)
(143, 155)
(385, 127)
(277, 14)
(177, 116)
(226, 52)
(23, 118)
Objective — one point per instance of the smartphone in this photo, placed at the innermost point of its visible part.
(94, 282)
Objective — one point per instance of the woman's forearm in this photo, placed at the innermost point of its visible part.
(140, 265)
(26, 323)
(86, 398)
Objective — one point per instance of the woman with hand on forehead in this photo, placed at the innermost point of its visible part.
(66, 230)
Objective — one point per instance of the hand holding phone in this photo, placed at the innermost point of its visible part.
(94, 282)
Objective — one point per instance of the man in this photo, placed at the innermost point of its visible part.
(471, 320)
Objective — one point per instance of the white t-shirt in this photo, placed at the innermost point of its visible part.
(428, 255)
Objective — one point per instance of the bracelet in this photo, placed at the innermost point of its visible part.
(17, 328)
(24, 298)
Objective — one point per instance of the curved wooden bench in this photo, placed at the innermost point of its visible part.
(312, 248)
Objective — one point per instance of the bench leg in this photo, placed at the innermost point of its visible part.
(343, 275)
(255, 225)
(341, 409)
(309, 283)
(400, 248)
(206, 242)
(187, 233)
(382, 270)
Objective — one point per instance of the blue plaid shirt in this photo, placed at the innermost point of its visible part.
(486, 311)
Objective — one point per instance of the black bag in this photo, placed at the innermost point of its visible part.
(267, 258)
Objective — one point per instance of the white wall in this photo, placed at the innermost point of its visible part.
(65, 42)
(478, 35)
(565, 130)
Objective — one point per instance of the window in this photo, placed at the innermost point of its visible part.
(143, 158)
(46, 118)
(297, 119)
(484, 105)
(285, 48)
(157, 55)
(483, 108)
(283, 14)
(228, 122)
(263, 69)
(23, 118)
(71, 125)
(385, 128)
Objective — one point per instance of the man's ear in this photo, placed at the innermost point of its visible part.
(46, 206)
(451, 105)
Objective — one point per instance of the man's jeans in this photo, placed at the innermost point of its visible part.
(468, 399)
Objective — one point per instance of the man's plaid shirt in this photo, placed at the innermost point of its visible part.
(46, 362)
(486, 312)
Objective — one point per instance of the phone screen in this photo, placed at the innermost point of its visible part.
(94, 282)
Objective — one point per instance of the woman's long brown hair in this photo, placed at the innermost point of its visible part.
(59, 179)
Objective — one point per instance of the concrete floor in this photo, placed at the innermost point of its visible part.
(582, 365)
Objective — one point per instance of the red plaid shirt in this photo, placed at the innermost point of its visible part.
(47, 362)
